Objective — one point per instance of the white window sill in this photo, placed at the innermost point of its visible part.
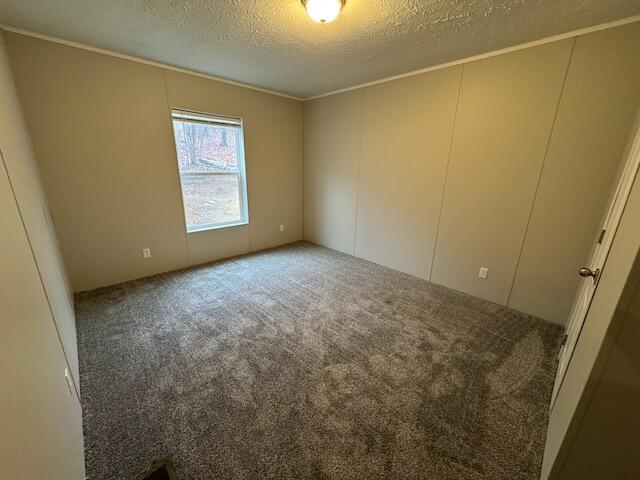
(206, 228)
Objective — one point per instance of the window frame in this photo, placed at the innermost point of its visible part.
(184, 115)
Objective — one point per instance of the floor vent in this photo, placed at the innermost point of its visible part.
(162, 470)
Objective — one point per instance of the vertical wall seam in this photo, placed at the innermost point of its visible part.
(446, 172)
(355, 218)
(302, 215)
(544, 161)
(44, 289)
(166, 97)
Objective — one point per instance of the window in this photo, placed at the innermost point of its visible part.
(212, 175)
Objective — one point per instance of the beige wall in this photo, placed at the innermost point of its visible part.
(40, 413)
(600, 100)
(506, 111)
(102, 135)
(17, 152)
(407, 125)
(536, 142)
(332, 141)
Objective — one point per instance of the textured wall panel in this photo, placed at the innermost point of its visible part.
(405, 147)
(506, 111)
(598, 106)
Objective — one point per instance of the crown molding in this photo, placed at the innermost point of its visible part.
(522, 46)
(554, 38)
(132, 58)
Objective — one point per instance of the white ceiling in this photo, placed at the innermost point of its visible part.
(274, 45)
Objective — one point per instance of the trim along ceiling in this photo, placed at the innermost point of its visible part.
(275, 46)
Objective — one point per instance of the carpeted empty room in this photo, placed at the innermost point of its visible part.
(304, 363)
(319, 240)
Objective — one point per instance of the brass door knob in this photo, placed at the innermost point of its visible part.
(587, 272)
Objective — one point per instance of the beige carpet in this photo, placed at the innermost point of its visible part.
(304, 363)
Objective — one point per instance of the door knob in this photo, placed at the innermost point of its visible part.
(587, 272)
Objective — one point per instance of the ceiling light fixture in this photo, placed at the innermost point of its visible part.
(323, 11)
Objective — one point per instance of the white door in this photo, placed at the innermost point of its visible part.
(593, 269)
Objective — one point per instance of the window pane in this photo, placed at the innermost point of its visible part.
(210, 199)
(205, 147)
(211, 164)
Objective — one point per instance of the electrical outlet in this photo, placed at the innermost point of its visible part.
(146, 252)
(282, 228)
(484, 271)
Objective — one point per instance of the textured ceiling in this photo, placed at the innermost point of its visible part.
(274, 45)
